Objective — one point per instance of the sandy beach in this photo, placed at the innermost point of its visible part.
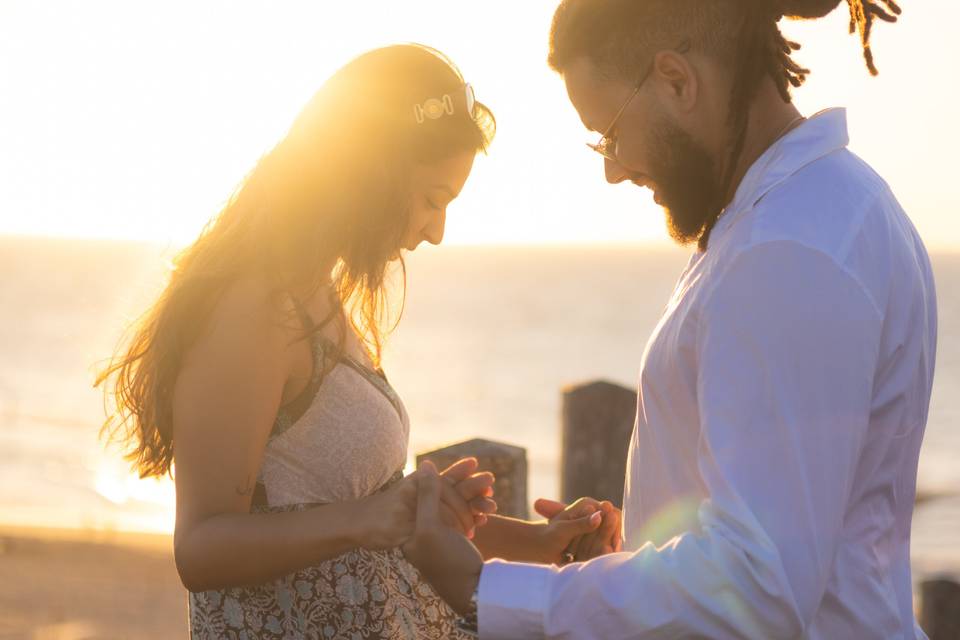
(73, 584)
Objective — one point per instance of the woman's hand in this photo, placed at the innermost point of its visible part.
(466, 496)
(385, 519)
(445, 558)
(600, 540)
(565, 528)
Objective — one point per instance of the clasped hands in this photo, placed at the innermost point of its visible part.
(433, 515)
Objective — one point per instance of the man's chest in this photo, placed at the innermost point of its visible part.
(668, 369)
(664, 484)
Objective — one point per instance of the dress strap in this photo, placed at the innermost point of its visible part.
(290, 411)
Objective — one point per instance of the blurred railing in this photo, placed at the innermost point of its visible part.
(598, 421)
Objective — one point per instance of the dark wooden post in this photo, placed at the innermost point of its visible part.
(940, 609)
(598, 421)
(507, 462)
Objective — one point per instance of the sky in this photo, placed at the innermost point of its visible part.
(129, 119)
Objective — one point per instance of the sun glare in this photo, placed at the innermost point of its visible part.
(135, 122)
(145, 504)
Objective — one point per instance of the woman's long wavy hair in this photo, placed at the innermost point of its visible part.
(334, 190)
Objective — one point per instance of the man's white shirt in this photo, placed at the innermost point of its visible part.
(782, 402)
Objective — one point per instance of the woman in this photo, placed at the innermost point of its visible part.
(258, 371)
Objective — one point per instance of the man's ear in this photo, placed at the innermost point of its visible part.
(676, 79)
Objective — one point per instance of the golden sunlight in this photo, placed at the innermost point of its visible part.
(137, 123)
(751, 415)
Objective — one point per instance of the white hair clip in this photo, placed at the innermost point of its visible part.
(436, 108)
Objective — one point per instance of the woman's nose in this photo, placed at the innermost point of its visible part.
(433, 232)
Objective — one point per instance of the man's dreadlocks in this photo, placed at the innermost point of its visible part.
(619, 36)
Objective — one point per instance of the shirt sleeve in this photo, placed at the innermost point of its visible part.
(786, 351)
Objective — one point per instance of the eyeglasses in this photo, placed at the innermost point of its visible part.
(607, 146)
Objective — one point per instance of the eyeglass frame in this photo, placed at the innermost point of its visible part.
(602, 146)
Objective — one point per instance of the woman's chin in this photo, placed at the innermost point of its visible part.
(404, 249)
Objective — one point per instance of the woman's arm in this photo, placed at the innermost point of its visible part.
(229, 388)
(585, 529)
(234, 549)
(512, 539)
(542, 541)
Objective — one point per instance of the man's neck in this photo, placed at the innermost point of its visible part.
(769, 119)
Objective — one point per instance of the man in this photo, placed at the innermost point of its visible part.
(784, 394)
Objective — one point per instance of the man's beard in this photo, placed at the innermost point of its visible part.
(686, 181)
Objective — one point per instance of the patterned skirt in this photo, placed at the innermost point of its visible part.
(359, 595)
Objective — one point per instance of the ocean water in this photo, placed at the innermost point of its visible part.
(488, 339)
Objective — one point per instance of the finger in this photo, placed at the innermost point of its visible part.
(599, 545)
(479, 509)
(475, 485)
(574, 531)
(570, 551)
(584, 502)
(584, 545)
(405, 492)
(605, 532)
(483, 506)
(578, 509)
(459, 506)
(593, 545)
(449, 518)
(608, 529)
(548, 508)
(580, 526)
(581, 507)
(428, 499)
(460, 470)
(607, 538)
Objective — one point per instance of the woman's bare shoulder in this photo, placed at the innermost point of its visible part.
(251, 316)
(323, 308)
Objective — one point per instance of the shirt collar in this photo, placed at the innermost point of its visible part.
(819, 135)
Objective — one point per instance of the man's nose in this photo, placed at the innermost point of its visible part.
(614, 172)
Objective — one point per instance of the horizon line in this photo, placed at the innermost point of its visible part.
(651, 243)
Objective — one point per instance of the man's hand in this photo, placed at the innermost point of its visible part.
(466, 496)
(601, 541)
(447, 560)
(564, 531)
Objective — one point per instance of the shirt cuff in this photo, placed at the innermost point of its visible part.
(512, 599)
